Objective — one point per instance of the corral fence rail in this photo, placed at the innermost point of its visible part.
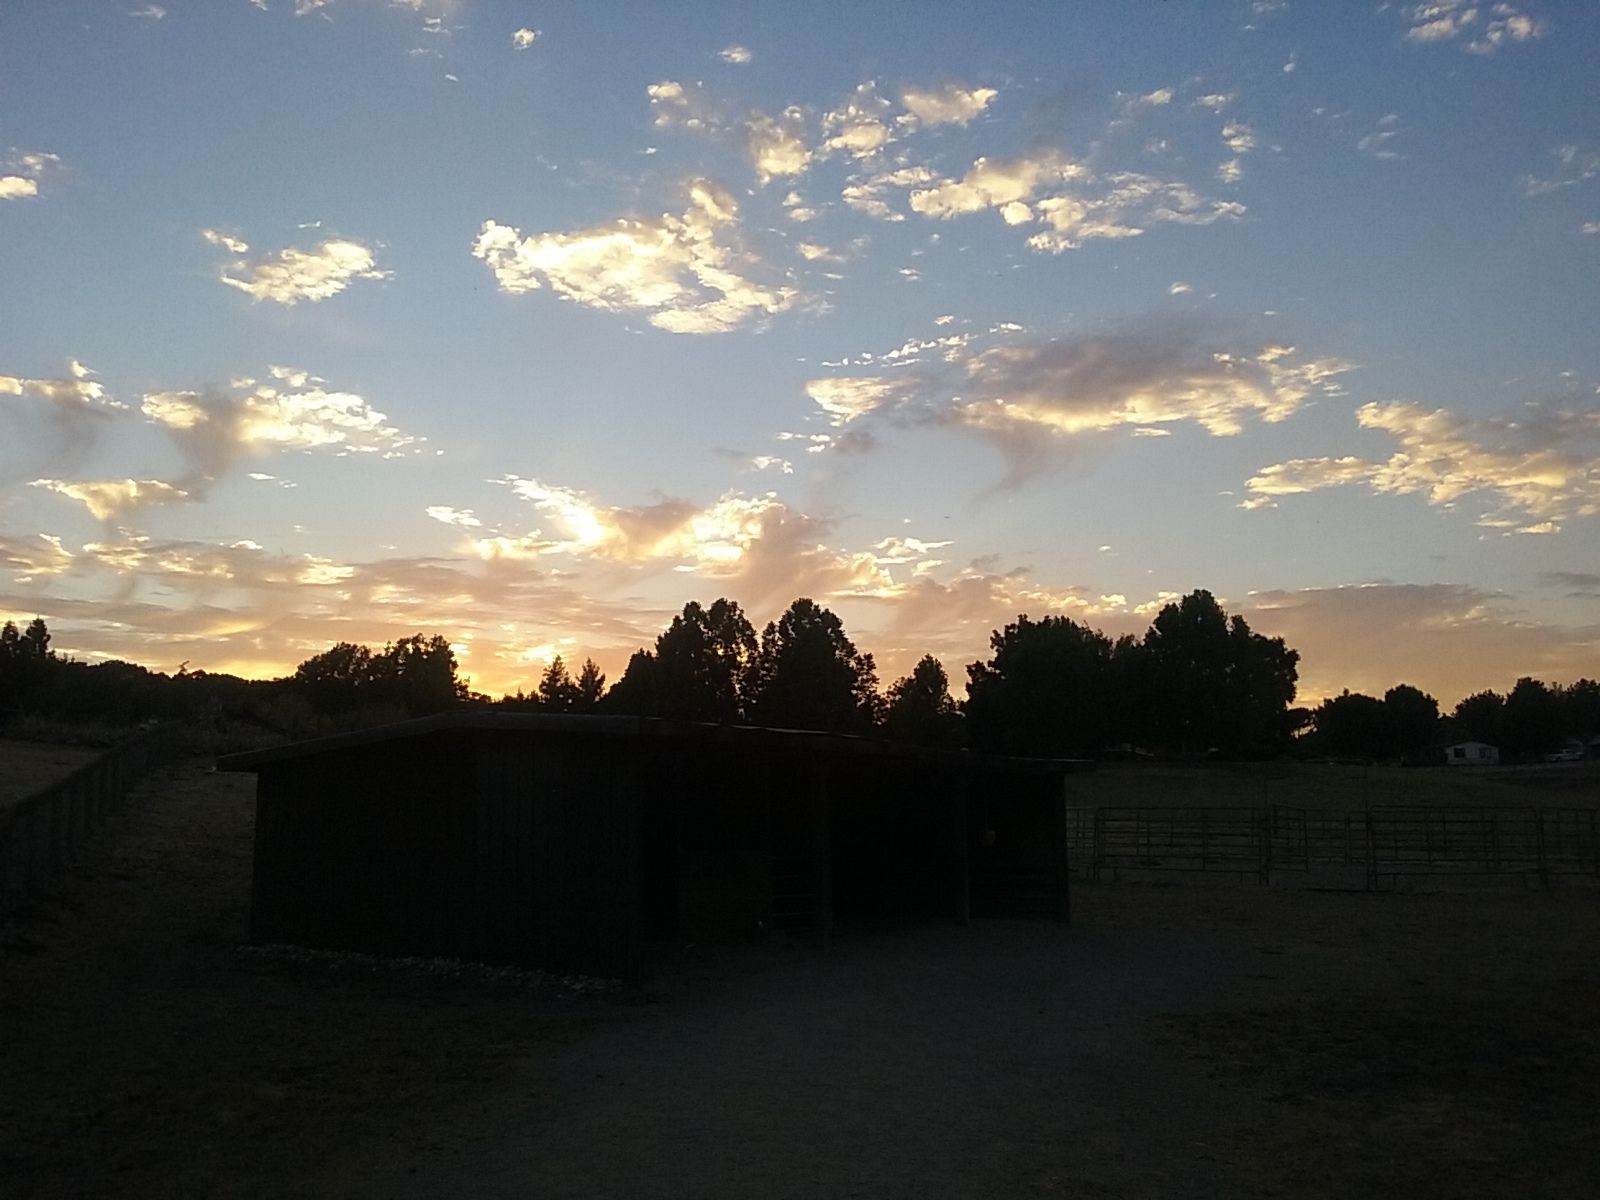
(1385, 843)
(42, 833)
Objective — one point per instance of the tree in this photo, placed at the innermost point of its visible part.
(591, 687)
(1580, 709)
(920, 709)
(1218, 684)
(1353, 725)
(337, 680)
(703, 662)
(557, 692)
(36, 640)
(1532, 721)
(1042, 691)
(635, 693)
(1481, 717)
(419, 674)
(1411, 718)
(809, 675)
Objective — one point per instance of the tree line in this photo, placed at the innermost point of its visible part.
(1198, 681)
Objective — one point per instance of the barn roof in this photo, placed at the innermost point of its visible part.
(686, 733)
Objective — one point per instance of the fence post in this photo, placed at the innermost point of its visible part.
(1099, 843)
(1544, 863)
(1264, 832)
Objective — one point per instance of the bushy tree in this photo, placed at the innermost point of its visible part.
(557, 691)
(1411, 719)
(1353, 725)
(1532, 720)
(703, 662)
(1217, 684)
(1480, 717)
(591, 685)
(920, 709)
(1042, 690)
(634, 694)
(809, 675)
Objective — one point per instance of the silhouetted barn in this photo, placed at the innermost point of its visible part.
(567, 842)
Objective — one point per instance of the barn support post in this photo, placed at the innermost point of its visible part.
(821, 776)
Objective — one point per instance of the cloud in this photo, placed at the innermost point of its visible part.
(949, 104)
(1128, 203)
(150, 12)
(845, 399)
(1239, 137)
(462, 518)
(675, 105)
(992, 183)
(290, 410)
(777, 145)
(107, 498)
(737, 55)
(1575, 164)
(1032, 399)
(1541, 467)
(20, 174)
(1448, 639)
(685, 271)
(77, 409)
(869, 195)
(1380, 142)
(523, 38)
(1440, 21)
(292, 275)
(1114, 205)
(860, 127)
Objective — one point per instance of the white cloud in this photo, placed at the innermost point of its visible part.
(1543, 464)
(1230, 171)
(737, 55)
(1239, 137)
(106, 498)
(684, 271)
(79, 390)
(869, 195)
(676, 105)
(992, 183)
(290, 410)
(150, 12)
(227, 241)
(951, 104)
(28, 169)
(462, 518)
(859, 127)
(777, 145)
(524, 37)
(1447, 20)
(1127, 203)
(845, 399)
(1575, 164)
(1179, 288)
(1380, 142)
(292, 275)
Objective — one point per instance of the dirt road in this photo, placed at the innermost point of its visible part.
(994, 1060)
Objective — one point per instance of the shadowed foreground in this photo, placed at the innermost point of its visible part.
(1178, 1040)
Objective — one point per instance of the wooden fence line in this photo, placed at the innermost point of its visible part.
(42, 833)
(1386, 842)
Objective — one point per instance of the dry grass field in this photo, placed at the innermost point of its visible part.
(1179, 1039)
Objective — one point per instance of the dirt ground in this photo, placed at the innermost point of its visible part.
(28, 767)
(1176, 1040)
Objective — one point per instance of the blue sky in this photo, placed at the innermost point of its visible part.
(527, 323)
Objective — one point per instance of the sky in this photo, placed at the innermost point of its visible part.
(527, 323)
